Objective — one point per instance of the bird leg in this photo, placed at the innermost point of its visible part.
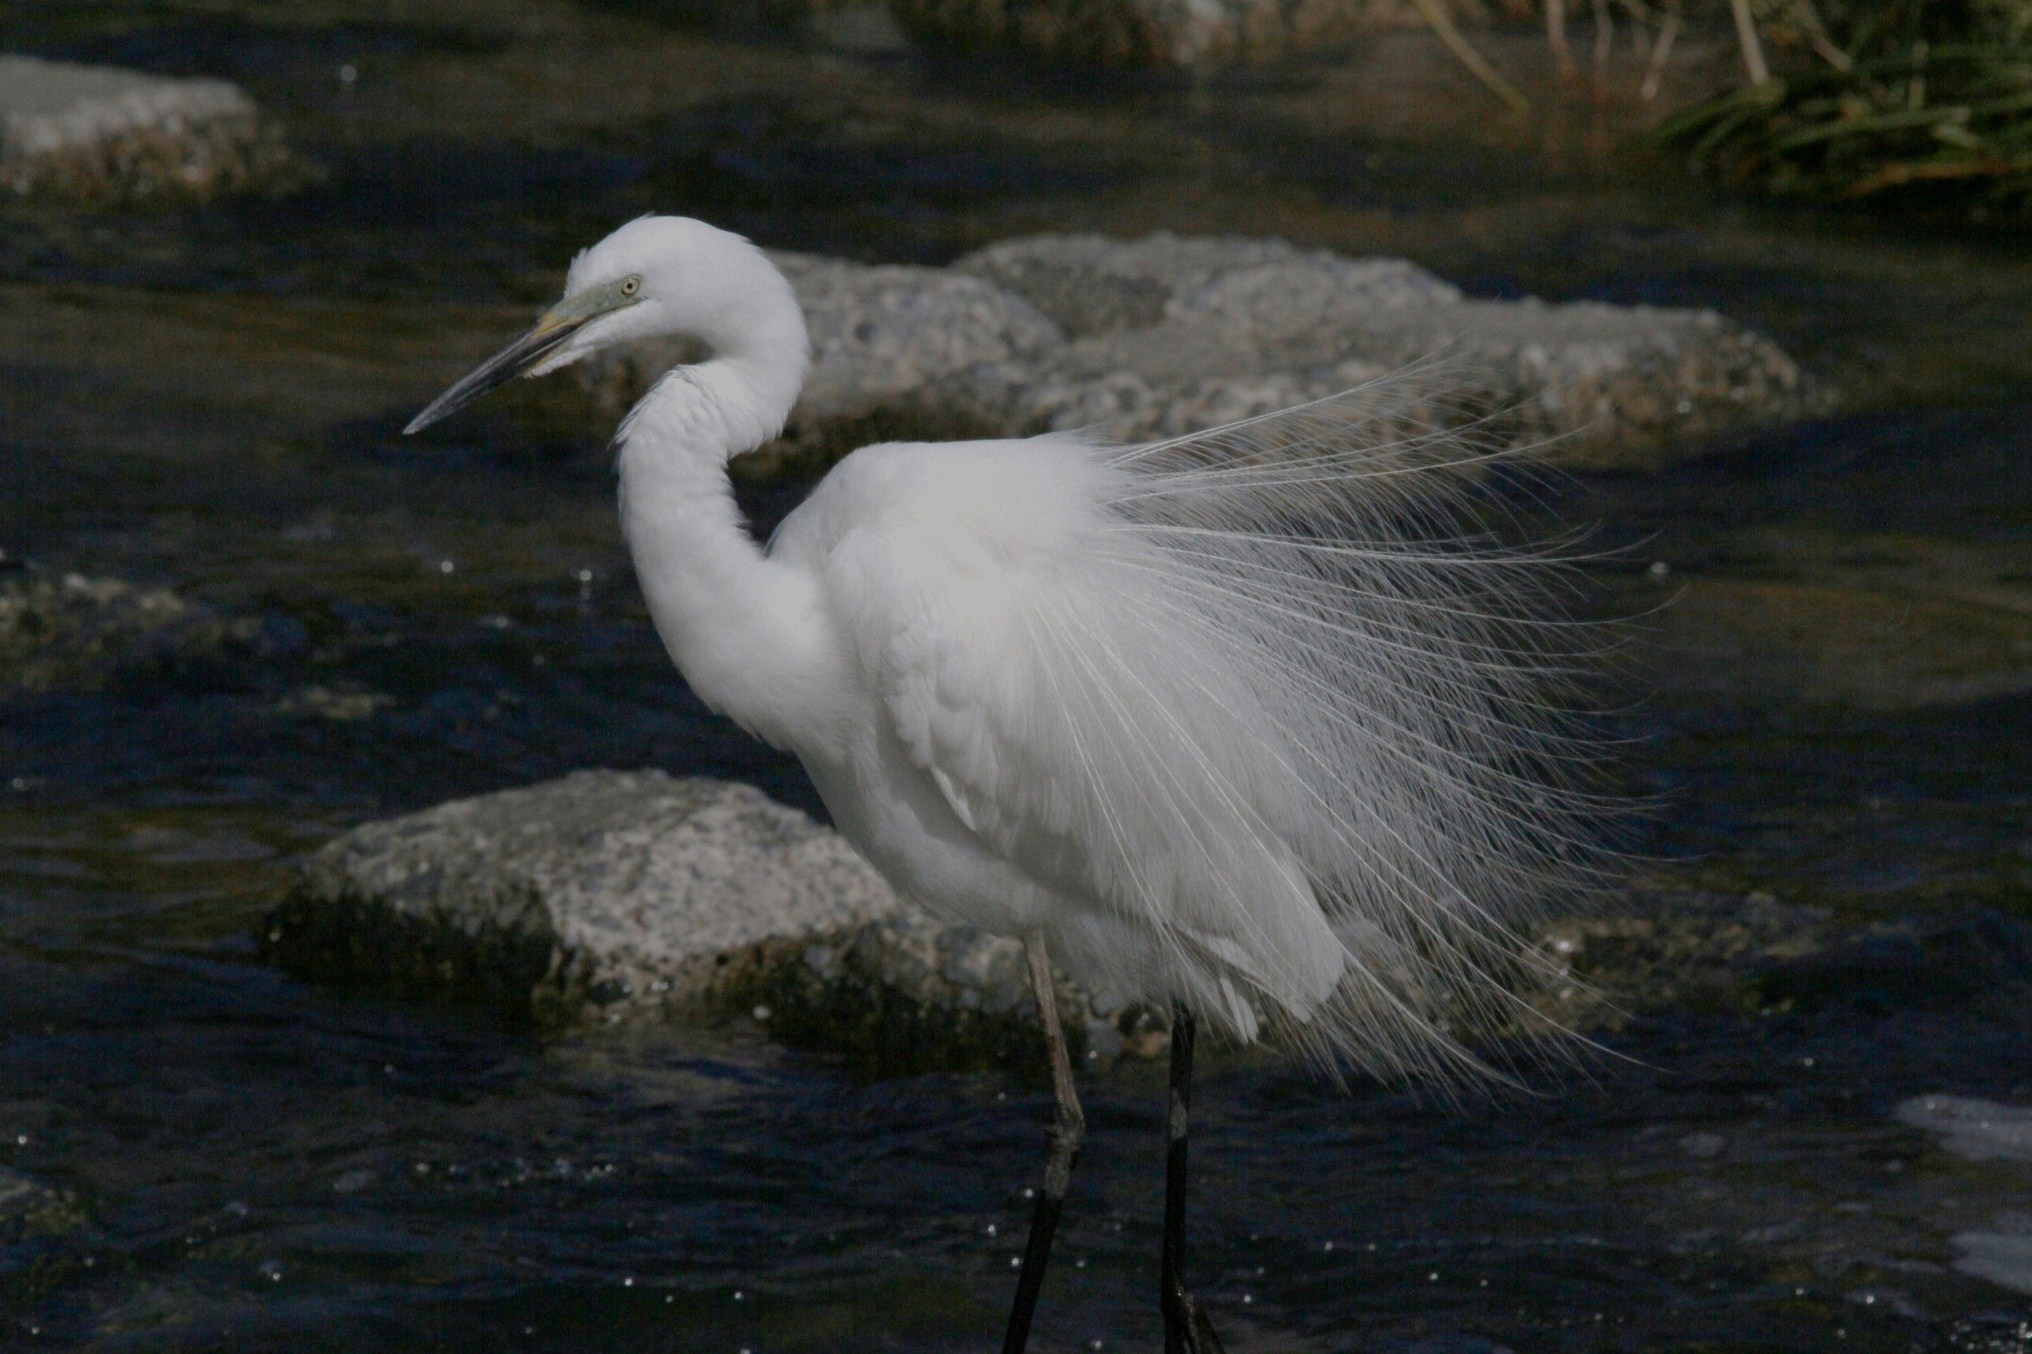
(1186, 1327)
(1068, 1129)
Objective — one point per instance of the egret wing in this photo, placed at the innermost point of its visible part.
(1037, 665)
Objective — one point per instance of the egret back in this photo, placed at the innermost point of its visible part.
(1274, 729)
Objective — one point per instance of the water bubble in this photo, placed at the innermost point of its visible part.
(1329, 1245)
(991, 1229)
(1432, 1277)
(761, 1013)
(445, 566)
(1248, 1298)
(628, 1282)
(1659, 568)
(739, 1295)
(349, 74)
(271, 1270)
(1015, 1262)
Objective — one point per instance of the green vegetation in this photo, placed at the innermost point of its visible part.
(1879, 98)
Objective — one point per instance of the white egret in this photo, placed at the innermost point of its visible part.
(1231, 723)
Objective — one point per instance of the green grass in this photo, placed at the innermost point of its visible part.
(1908, 99)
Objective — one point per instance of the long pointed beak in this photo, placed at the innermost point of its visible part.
(545, 337)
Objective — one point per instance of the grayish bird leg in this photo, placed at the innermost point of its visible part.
(1068, 1129)
(1186, 1327)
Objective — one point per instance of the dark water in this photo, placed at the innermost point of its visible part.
(255, 1165)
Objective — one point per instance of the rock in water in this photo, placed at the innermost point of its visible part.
(74, 632)
(629, 895)
(29, 1208)
(1179, 333)
(98, 134)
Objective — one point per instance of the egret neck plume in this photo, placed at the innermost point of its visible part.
(1255, 724)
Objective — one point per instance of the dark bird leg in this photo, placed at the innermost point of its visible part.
(1068, 1128)
(1186, 1327)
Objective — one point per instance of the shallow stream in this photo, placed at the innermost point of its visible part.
(209, 401)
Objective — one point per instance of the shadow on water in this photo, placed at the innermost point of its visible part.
(208, 400)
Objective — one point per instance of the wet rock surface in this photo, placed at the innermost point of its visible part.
(620, 896)
(29, 1208)
(1180, 333)
(77, 632)
(612, 897)
(99, 135)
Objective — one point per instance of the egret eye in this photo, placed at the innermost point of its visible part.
(631, 286)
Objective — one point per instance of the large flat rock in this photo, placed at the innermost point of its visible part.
(621, 896)
(99, 134)
(1179, 333)
(1135, 339)
(610, 897)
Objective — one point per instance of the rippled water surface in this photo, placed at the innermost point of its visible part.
(209, 401)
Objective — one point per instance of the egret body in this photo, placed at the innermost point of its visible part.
(1227, 723)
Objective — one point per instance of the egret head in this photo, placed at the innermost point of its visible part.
(656, 275)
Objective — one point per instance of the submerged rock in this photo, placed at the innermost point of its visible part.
(1977, 1130)
(29, 1208)
(98, 134)
(612, 896)
(76, 631)
(2004, 1258)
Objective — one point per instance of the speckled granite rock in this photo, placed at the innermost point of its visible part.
(1096, 284)
(612, 896)
(1179, 333)
(98, 134)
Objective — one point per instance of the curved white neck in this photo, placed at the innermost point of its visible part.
(748, 632)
